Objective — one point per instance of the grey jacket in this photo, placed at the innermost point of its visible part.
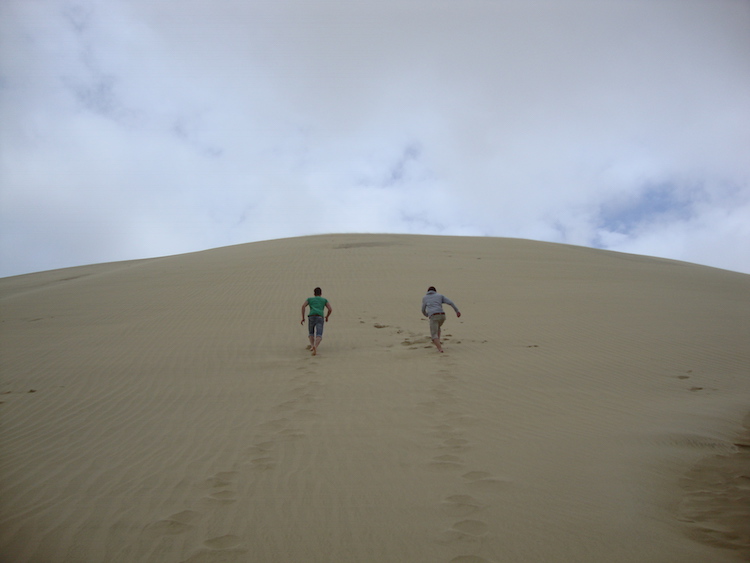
(433, 303)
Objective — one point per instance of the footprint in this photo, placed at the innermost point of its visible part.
(476, 475)
(220, 479)
(448, 377)
(215, 482)
(471, 527)
(307, 398)
(186, 516)
(465, 532)
(223, 542)
(167, 528)
(274, 424)
(446, 432)
(460, 418)
(444, 398)
(490, 485)
(448, 458)
(483, 481)
(455, 443)
(460, 505)
(458, 537)
(446, 462)
(237, 554)
(287, 405)
(263, 463)
(223, 496)
(261, 448)
(176, 524)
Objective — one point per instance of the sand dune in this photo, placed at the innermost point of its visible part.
(590, 406)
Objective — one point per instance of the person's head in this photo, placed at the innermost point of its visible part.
(318, 292)
(431, 288)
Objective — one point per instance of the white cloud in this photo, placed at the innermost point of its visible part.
(133, 129)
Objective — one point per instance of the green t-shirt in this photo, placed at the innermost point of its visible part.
(317, 304)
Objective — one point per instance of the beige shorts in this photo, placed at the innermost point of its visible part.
(436, 321)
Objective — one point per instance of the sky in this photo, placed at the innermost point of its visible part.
(140, 128)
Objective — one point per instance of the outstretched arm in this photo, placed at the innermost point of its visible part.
(304, 306)
(330, 310)
(452, 304)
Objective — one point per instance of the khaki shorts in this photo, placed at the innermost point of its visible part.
(436, 321)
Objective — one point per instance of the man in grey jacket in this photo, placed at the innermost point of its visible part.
(432, 308)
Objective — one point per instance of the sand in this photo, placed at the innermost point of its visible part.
(590, 406)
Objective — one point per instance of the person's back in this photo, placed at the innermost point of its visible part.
(433, 303)
(316, 321)
(432, 308)
(317, 305)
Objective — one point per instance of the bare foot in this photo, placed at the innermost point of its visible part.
(314, 351)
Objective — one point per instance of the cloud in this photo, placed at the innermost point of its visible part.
(132, 129)
(654, 204)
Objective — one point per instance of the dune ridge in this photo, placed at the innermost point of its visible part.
(589, 407)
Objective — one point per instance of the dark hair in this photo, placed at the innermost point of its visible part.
(317, 291)
(431, 288)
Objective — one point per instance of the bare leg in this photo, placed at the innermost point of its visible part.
(436, 324)
(316, 344)
(312, 342)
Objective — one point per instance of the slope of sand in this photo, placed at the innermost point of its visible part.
(589, 407)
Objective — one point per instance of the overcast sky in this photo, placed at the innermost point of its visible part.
(140, 128)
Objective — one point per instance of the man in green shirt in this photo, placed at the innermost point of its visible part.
(315, 321)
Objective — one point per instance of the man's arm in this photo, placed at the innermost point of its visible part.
(452, 304)
(304, 306)
(330, 310)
